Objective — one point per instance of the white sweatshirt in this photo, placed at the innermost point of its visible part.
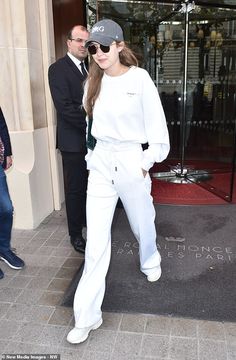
(129, 109)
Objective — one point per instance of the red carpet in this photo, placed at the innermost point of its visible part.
(164, 192)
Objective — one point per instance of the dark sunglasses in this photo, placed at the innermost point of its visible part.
(92, 49)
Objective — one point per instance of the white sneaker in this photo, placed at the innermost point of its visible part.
(155, 276)
(78, 335)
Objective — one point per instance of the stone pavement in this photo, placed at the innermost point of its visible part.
(33, 322)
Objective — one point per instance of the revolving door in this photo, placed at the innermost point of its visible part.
(189, 49)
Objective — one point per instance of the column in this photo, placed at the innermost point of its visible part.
(26, 50)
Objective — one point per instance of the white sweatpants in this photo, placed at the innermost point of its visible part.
(115, 171)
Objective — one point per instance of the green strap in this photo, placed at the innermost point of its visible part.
(91, 141)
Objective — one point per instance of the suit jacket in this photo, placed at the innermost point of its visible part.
(66, 86)
(4, 134)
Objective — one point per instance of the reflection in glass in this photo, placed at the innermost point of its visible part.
(201, 121)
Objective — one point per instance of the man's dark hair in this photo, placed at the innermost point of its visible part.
(69, 35)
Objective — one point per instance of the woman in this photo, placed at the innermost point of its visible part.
(6, 208)
(127, 112)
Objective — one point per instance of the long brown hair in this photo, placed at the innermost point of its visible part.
(95, 75)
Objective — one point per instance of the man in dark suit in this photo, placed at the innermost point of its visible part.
(66, 80)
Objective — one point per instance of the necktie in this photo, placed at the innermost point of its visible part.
(84, 72)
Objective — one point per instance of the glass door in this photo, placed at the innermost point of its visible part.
(189, 51)
(210, 109)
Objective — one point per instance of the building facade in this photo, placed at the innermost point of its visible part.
(189, 50)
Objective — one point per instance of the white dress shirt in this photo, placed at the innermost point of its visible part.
(76, 61)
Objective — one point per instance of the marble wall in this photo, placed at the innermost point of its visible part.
(26, 51)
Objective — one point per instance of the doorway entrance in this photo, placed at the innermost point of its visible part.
(189, 50)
